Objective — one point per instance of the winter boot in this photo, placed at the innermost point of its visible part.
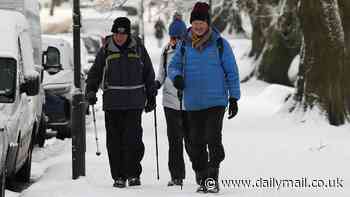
(174, 182)
(212, 184)
(134, 181)
(197, 179)
(201, 188)
(201, 177)
(214, 187)
(119, 182)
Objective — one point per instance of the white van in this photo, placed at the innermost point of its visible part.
(30, 9)
(19, 80)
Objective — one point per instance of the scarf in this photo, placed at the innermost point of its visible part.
(198, 42)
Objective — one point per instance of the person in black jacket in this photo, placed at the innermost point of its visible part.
(124, 71)
(159, 28)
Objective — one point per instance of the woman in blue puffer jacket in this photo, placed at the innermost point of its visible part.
(208, 77)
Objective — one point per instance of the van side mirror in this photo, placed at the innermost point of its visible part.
(51, 59)
(31, 86)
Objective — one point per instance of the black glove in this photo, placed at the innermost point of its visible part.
(233, 107)
(91, 97)
(157, 84)
(179, 82)
(151, 104)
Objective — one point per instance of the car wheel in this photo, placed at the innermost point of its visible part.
(42, 132)
(2, 182)
(64, 132)
(23, 175)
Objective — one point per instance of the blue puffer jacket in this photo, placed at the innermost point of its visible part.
(205, 82)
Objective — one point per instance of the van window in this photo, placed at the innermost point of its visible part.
(53, 57)
(7, 80)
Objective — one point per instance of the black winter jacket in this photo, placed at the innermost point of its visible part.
(128, 78)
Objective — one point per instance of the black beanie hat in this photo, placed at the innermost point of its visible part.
(200, 12)
(121, 25)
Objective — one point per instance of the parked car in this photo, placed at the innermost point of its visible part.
(19, 83)
(59, 82)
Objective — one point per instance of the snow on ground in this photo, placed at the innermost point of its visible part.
(259, 142)
(294, 69)
(262, 141)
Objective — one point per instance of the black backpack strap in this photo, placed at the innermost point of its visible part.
(220, 46)
(182, 48)
(183, 51)
(138, 48)
(165, 59)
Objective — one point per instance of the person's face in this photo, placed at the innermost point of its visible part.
(173, 41)
(199, 27)
(120, 38)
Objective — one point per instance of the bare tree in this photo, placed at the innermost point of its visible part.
(276, 37)
(323, 71)
(282, 44)
(54, 3)
(226, 15)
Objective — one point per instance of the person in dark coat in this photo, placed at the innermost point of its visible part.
(176, 128)
(159, 28)
(205, 70)
(124, 71)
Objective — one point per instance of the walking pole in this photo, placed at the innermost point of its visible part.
(98, 152)
(156, 135)
(179, 95)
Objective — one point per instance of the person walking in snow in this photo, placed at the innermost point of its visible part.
(125, 73)
(205, 70)
(176, 129)
(159, 28)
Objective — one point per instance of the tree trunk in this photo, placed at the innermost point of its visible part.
(281, 46)
(53, 4)
(52, 7)
(345, 16)
(324, 55)
(251, 7)
(235, 22)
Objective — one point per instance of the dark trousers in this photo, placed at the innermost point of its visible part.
(205, 140)
(124, 142)
(177, 134)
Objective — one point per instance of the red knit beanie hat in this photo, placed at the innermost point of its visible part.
(200, 12)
